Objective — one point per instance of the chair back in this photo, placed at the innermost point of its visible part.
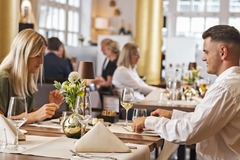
(41, 98)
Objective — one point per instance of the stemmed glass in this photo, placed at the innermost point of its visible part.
(84, 112)
(17, 114)
(127, 100)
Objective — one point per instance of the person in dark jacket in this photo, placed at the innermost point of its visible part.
(55, 67)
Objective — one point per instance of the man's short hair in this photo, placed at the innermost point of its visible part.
(54, 43)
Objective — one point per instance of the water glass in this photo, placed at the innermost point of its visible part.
(139, 113)
(17, 115)
(173, 86)
(3, 139)
(65, 114)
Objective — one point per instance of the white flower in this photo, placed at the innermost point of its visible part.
(73, 77)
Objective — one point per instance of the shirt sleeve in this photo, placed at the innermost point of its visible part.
(209, 117)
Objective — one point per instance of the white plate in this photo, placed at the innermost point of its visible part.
(23, 131)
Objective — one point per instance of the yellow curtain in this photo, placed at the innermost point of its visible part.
(9, 24)
(149, 23)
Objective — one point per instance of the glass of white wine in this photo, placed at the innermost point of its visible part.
(17, 114)
(203, 86)
(127, 100)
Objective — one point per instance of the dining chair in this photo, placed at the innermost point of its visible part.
(41, 98)
(167, 150)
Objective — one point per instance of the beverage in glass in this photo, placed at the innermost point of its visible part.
(127, 100)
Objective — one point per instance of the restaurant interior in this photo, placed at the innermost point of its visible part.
(169, 35)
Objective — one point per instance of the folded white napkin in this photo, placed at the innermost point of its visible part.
(10, 131)
(100, 139)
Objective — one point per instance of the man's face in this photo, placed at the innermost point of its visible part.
(212, 56)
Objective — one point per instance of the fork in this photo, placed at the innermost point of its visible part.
(92, 156)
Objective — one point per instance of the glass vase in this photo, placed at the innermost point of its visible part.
(72, 128)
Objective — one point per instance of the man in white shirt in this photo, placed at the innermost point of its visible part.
(215, 124)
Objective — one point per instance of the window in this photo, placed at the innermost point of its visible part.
(60, 18)
(192, 17)
(234, 6)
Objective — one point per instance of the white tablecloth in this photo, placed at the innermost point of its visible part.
(59, 147)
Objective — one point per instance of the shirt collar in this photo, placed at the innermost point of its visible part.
(234, 69)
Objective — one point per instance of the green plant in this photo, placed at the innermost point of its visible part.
(71, 89)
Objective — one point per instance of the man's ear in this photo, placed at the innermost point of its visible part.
(223, 52)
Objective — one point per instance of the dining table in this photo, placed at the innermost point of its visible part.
(54, 130)
(153, 101)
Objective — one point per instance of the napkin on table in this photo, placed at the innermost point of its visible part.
(100, 139)
(10, 131)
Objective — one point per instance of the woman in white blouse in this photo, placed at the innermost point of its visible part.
(126, 75)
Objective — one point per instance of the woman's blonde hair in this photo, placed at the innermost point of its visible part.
(124, 58)
(113, 46)
(27, 43)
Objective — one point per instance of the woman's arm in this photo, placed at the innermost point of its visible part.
(46, 111)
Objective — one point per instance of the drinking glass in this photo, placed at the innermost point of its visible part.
(83, 110)
(174, 87)
(65, 114)
(203, 86)
(17, 114)
(139, 113)
(3, 139)
(127, 100)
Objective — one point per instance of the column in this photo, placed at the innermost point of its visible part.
(9, 18)
(149, 23)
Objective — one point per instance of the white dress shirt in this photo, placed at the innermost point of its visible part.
(215, 123)
(128, 77)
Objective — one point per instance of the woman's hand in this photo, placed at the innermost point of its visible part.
(55, 97)
(46, 111)
(98, 80)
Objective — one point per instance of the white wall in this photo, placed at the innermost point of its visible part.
(180, 50)
(86, 21)
(101, 8)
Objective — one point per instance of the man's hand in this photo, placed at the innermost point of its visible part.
(138, 124)
(55, 97)
(162, 113)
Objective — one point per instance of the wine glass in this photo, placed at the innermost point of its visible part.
(83, 110)
(3, 139)
(17, 114)
(139, 113)
(127, 100)
(203, 86)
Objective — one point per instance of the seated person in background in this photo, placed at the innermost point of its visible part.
(19, 73)
(214, 124)
(105, 80)
(69, 62)
(126, 75)
(55, 67)
(104, 49)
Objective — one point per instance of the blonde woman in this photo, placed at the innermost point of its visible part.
(20, 71)
(126, 75)
(111, 50)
